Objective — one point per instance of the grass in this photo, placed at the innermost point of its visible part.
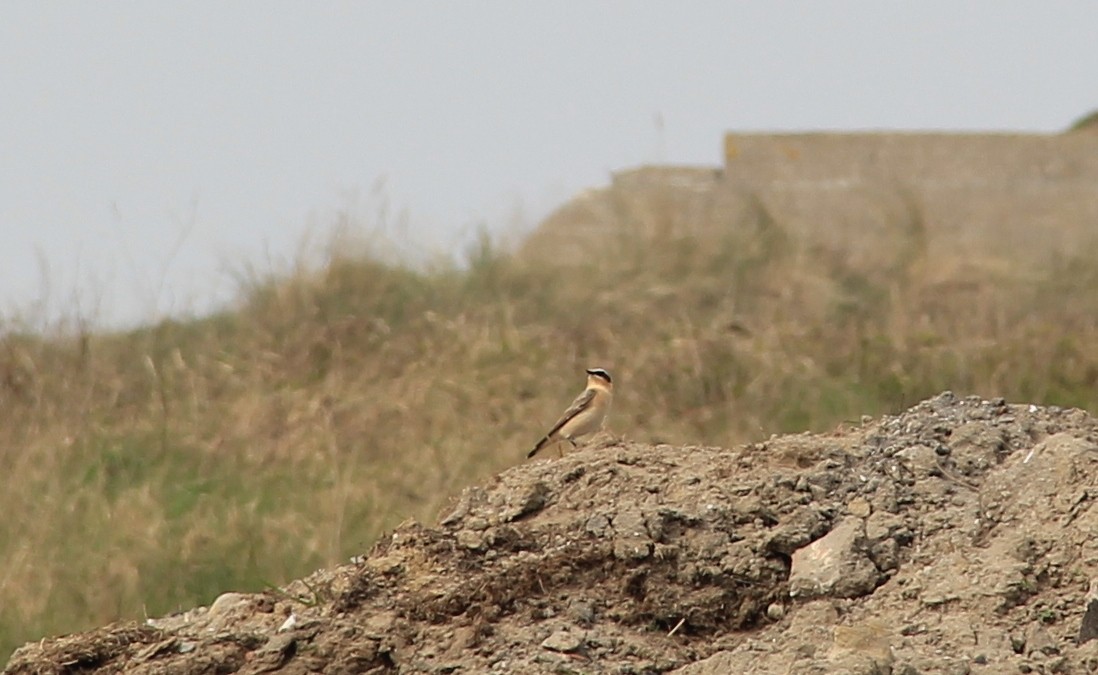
(151, 470)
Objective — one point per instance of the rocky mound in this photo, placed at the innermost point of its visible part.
(960, 536)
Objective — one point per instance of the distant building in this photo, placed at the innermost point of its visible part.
(1023, 198)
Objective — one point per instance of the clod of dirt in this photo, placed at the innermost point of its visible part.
(957, 535)
(835, 565)
(1088, 629)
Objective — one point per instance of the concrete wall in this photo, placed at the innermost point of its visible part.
(1018, 198)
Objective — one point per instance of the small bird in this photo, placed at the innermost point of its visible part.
(585, 415)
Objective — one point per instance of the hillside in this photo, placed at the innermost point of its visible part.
(150, 471)
(956, 537)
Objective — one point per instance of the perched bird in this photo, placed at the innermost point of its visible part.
(585, 415)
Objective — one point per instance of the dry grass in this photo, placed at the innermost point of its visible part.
(151, 470)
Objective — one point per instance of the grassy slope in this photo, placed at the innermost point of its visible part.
(151, 470)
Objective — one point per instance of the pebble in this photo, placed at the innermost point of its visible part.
(563, 641)
(859, 507)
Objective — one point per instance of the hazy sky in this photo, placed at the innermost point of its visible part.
(151, 151)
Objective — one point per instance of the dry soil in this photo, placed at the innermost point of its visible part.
(956, 537)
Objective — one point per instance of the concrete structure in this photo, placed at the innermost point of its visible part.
(1016, 199)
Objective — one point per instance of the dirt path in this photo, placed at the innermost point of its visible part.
(960, 536)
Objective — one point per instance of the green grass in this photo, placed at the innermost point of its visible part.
(151, 470)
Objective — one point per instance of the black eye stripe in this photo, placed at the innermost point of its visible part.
(599, 372)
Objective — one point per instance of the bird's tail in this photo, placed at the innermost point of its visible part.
(537, 448)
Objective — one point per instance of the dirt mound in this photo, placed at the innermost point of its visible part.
(959, 536)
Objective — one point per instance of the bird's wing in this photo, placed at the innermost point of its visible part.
(581, 402)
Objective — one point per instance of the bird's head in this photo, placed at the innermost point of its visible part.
(600, 376)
